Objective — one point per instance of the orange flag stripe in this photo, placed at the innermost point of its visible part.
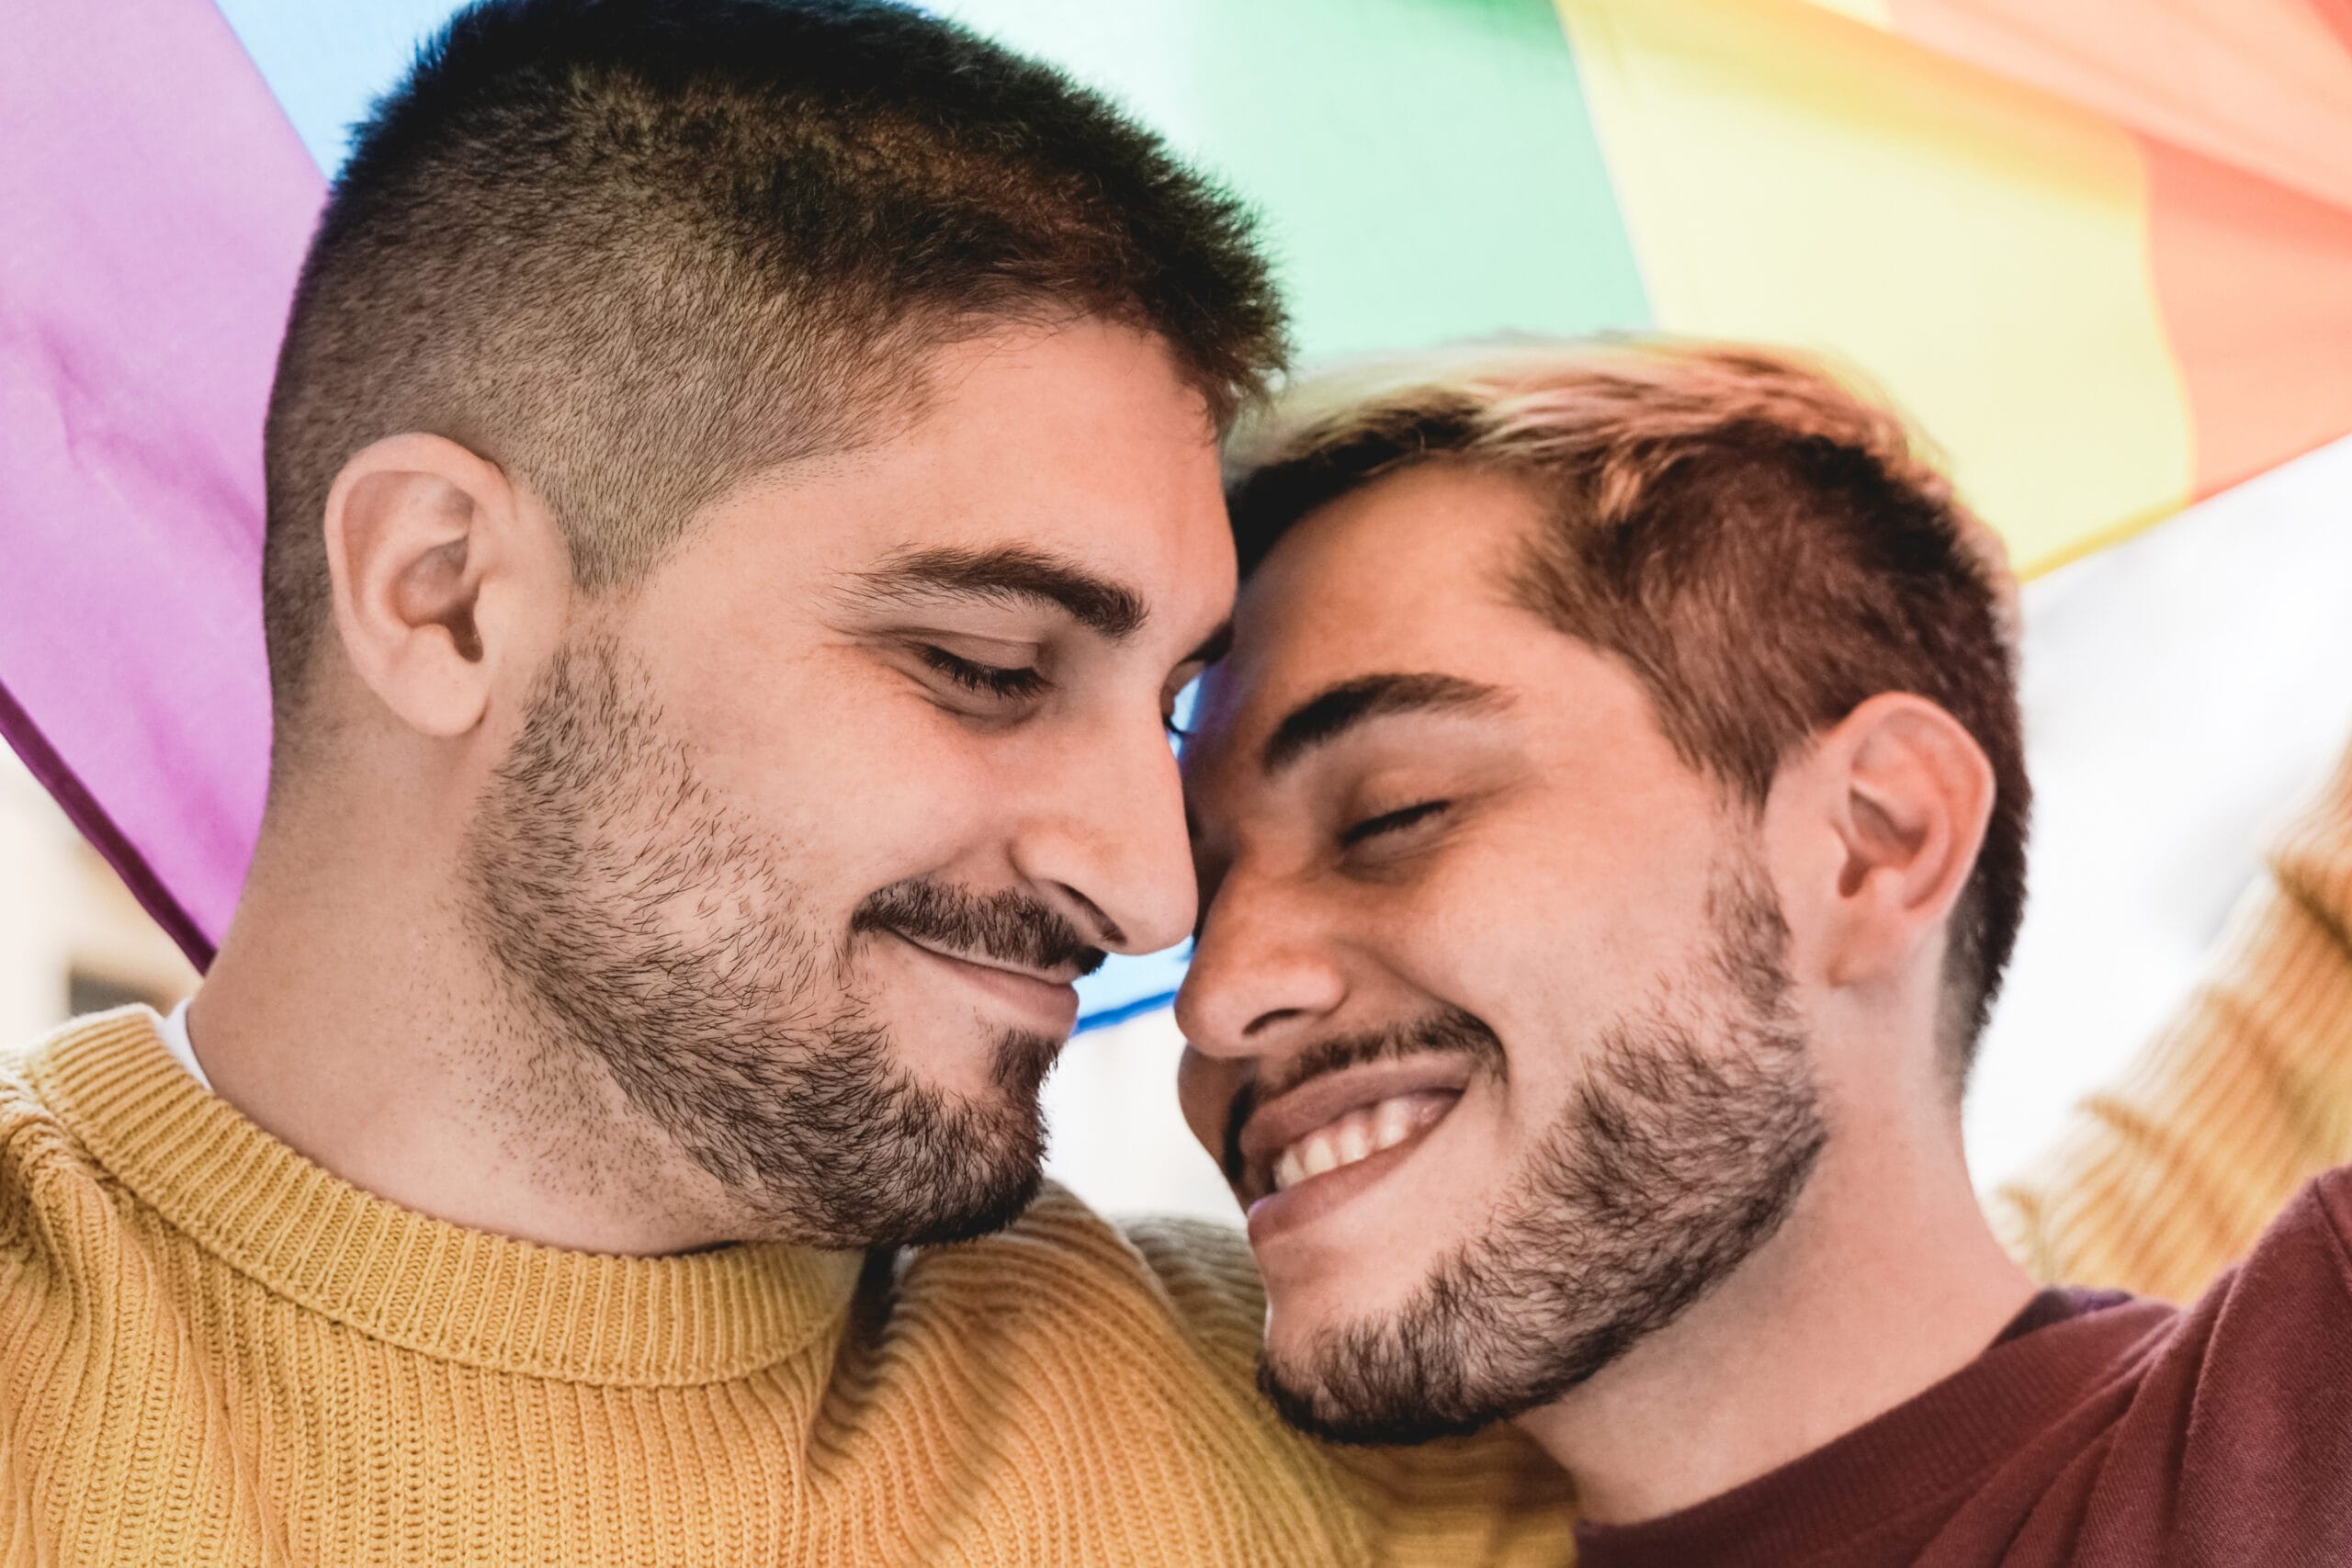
(2255, 283)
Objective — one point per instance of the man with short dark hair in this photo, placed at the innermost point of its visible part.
(743, 495)
(1611, 823)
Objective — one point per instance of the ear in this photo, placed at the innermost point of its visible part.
(447, 576)
(1904, 792)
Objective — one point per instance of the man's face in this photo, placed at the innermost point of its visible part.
(1488, 1017)
(805, 840)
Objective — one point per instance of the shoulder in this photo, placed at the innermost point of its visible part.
(1154, 1323)
(61, 1229)
(42, 1162)
(2236, 1421)
(2307, 1251)
(1137, 1288)
(1068, 1357)
(2292, 1291)
(2331, 1193)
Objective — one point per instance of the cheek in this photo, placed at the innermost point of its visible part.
(856, 781)
(1546, 938)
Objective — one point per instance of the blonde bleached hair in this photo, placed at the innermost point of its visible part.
(1763, 543)
(1624, 404)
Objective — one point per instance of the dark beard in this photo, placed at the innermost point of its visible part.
(596, 846)
(1681, 1153)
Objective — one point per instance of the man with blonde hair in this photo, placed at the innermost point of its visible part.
(1611, 821)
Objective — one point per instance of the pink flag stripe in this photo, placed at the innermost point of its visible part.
(153, 208)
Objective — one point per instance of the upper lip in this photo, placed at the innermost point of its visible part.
(1059, 975)
(1291, 1116)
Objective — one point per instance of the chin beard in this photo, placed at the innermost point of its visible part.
(747, 1049)
(1682, 1152)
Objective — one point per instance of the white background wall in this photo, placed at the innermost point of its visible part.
(62, 913)
(36, 871)
(2182, 693)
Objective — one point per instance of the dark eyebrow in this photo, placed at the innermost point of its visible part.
(1336, 709)
(1008, 572)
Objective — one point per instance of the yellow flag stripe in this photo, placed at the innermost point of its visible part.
(1978, 248)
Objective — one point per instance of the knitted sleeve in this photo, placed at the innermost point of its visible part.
(109, 1436)
(2168, 1177)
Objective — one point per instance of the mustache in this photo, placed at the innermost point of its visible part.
(1449, 1029)
(1009, 927)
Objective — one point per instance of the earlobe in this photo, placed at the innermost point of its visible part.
(1912, 792)
(417, 528)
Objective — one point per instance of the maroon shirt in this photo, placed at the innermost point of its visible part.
(2098, 1429)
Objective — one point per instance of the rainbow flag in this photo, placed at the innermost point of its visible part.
(2101, 250)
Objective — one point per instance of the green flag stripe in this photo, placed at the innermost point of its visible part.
(1425, 169)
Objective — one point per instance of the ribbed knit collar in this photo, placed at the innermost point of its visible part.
(442, 1289)
(1925, 1453)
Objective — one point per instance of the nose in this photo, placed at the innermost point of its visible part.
(1105, 843)
(1262, 974)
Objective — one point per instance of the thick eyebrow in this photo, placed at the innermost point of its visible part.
(1007, 573)
(1336, 709)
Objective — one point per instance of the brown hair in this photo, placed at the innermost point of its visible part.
(636, 251)
(1763, 548)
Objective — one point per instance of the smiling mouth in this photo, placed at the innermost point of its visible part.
(1356, 1135)
(1318, 1143)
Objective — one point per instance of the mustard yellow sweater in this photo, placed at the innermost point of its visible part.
(212, 1351)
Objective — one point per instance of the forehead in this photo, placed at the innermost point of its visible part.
(1437, 535)
(1081, 442)
(1409, 573)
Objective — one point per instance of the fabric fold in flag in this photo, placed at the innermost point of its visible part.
(153, 207)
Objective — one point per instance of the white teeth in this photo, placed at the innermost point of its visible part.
(1358, 1136)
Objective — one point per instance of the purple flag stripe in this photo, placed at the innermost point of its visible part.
(153, 208)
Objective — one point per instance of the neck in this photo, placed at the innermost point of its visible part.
(350, 1016)
(1884, 1280)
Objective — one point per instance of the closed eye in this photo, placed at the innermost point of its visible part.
(1392, 821)
(1007, 683)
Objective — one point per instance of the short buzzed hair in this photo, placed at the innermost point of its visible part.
(1763, 548)
(637, 251)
